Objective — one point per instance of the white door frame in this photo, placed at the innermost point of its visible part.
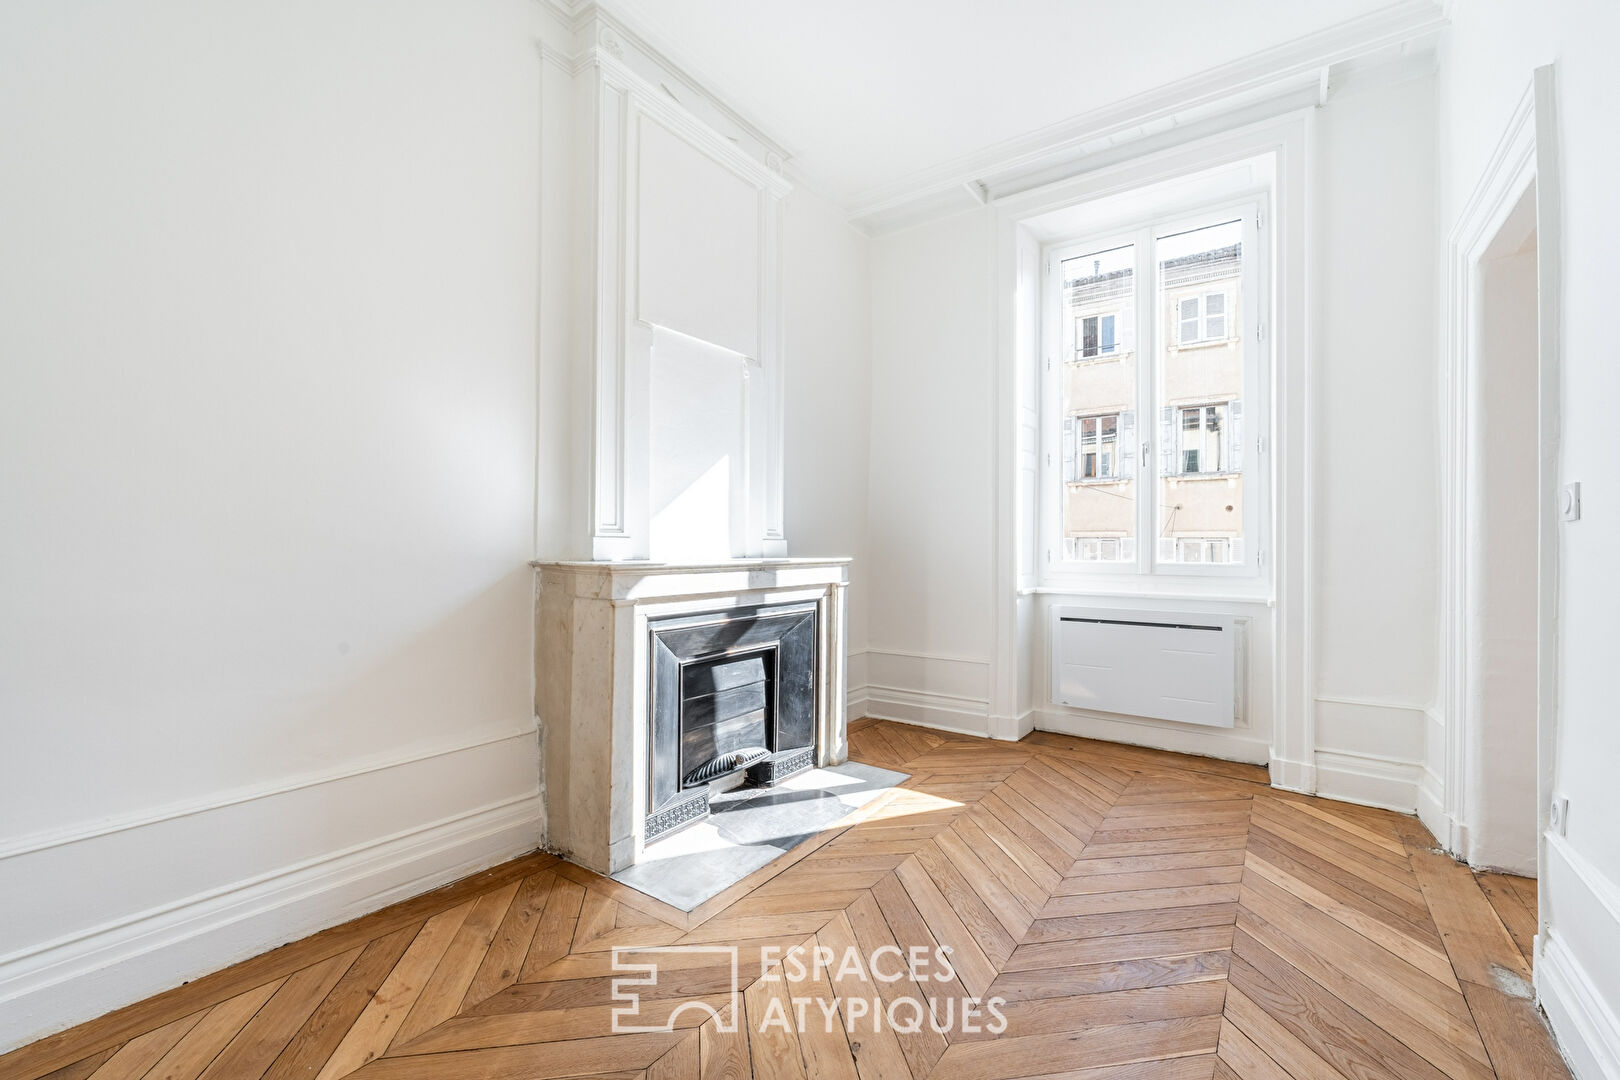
(1525, 155)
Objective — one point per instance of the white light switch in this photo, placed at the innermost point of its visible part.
(1569, 502)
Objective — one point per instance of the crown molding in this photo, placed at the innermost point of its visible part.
(600, 30)
(1281, 75)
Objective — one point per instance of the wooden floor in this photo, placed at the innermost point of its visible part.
(1144, 915)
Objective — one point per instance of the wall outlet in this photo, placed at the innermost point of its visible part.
(1558, 816)
(1569, 502)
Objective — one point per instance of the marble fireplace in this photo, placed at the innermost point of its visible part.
(661, 684)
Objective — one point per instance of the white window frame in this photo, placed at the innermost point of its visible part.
(1252, 314)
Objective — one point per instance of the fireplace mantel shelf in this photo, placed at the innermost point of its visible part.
(645, 566)
(641, 580)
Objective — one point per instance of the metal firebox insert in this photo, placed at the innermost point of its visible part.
(731, 691)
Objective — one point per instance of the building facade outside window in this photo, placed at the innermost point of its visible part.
(1187, 291)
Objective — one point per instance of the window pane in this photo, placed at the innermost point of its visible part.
(1200, 493)
(1099, 396)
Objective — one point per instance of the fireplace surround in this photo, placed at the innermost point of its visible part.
(738, 634)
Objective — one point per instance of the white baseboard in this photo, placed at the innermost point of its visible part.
(82, 976)
(1012, 728)
(1588, 1032)
(964, 716)
(1369, 779)
(1431, 809)
(1292, 775)
(108, 913)
(1577, 967)
(1228, 744)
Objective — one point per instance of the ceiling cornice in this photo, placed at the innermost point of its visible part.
(693, 89)
(1274, 73)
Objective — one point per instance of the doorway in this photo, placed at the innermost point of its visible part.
(1503, 502)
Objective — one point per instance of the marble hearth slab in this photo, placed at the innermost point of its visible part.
(749, 827)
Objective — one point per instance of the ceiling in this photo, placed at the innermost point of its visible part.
(868, 93)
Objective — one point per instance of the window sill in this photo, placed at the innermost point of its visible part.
(1101, 481)
(1194, 346)
(1097, 361)
(1213, 591)
(1198, 476)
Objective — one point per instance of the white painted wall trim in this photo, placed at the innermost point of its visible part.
(1588, 1032)
(1228, 744)
(1370, 752)
(1577, 956)
(1526, 154)
(945, 712)
(1369, 779)
(54, 984)
(1269, 74)
(45, 839)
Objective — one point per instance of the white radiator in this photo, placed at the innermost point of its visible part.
(1157, 664)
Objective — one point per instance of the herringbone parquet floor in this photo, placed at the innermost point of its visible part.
(1141, 914)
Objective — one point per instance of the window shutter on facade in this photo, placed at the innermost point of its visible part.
(1068, 450)
(1167, 441)
(1234, 414)
(1127, 444)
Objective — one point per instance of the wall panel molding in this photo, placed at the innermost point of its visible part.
(1577, 968)
(46, 839)
(51, 985)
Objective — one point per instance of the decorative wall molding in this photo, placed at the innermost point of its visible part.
(1525, 155)
(950, 693)
(1389, 783)
(621, 98)
(944, 712)
(1577, 968)
(46, 839)
(1291, 74)
(1370, 752)
(1587, 1030)
(590, 25)
(54, 984)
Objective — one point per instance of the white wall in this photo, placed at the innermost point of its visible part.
(827, 323)
(267, 320)
(929, 561)
(1376, 512)
(1487, 60)
(1376, 504)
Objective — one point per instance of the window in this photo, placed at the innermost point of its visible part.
(1202, 549)
(1091, 447)
(1202, 437)
(1096, 336)
(1201, 318)
(1099, 548)
(1177, 494)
